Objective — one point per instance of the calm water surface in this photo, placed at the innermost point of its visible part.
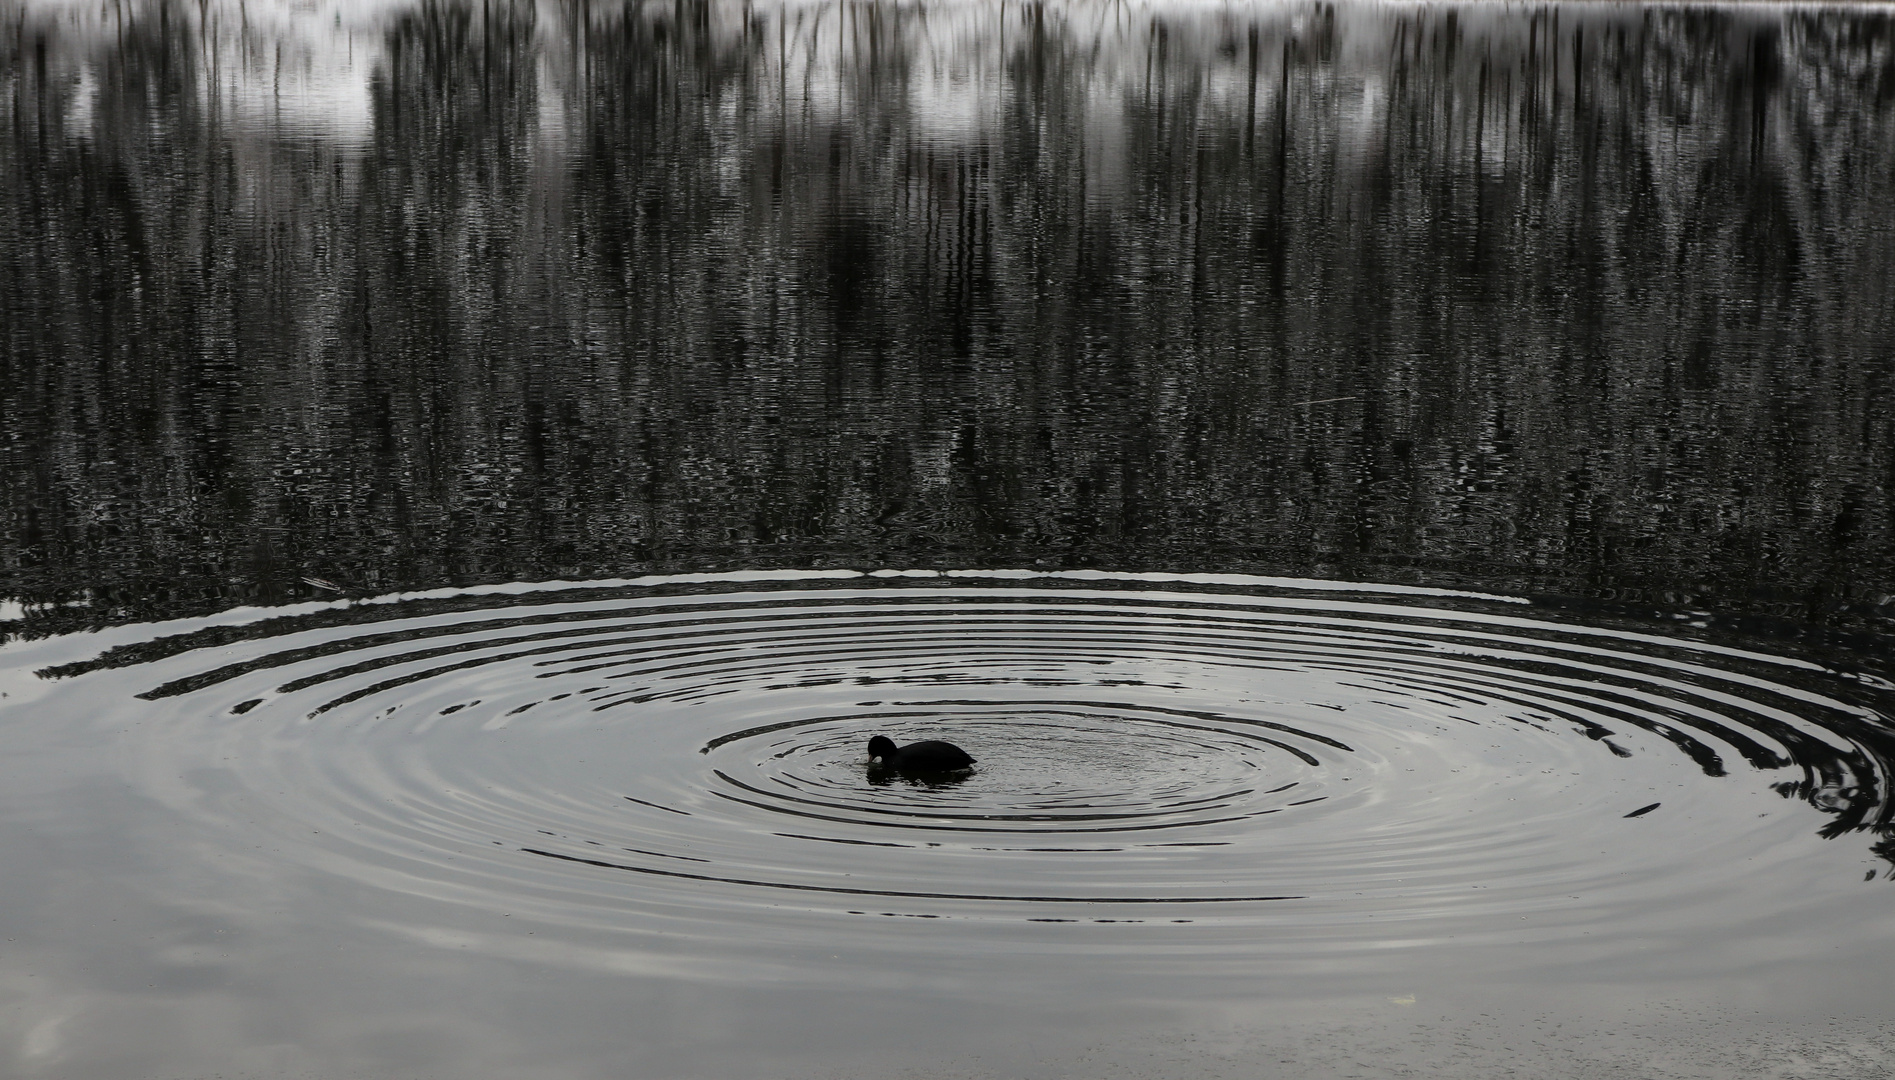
(1396, 499)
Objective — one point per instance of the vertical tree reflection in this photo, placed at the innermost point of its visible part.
(1558, 299)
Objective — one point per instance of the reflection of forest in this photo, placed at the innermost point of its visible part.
(1588, 301)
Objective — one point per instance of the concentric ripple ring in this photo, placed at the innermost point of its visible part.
(1299, 756)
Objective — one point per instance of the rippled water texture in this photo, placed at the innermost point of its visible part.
(1184, 790)
(1395, 498)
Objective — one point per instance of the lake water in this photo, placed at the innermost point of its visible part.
(1396, 498)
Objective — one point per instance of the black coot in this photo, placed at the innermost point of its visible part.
(930, 756)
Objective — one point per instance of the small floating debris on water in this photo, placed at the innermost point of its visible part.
(1643, 810)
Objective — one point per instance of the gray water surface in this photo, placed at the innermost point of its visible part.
(1191, 797)
(1394, 498)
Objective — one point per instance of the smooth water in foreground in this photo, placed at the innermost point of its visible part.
(1395, 499)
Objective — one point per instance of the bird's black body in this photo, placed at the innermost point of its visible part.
(930, 756)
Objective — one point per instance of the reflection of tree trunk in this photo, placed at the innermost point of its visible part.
(1594, 300)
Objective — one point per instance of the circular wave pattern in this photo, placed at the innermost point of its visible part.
(1281, 757)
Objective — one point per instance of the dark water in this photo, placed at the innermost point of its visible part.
(1397, 500)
